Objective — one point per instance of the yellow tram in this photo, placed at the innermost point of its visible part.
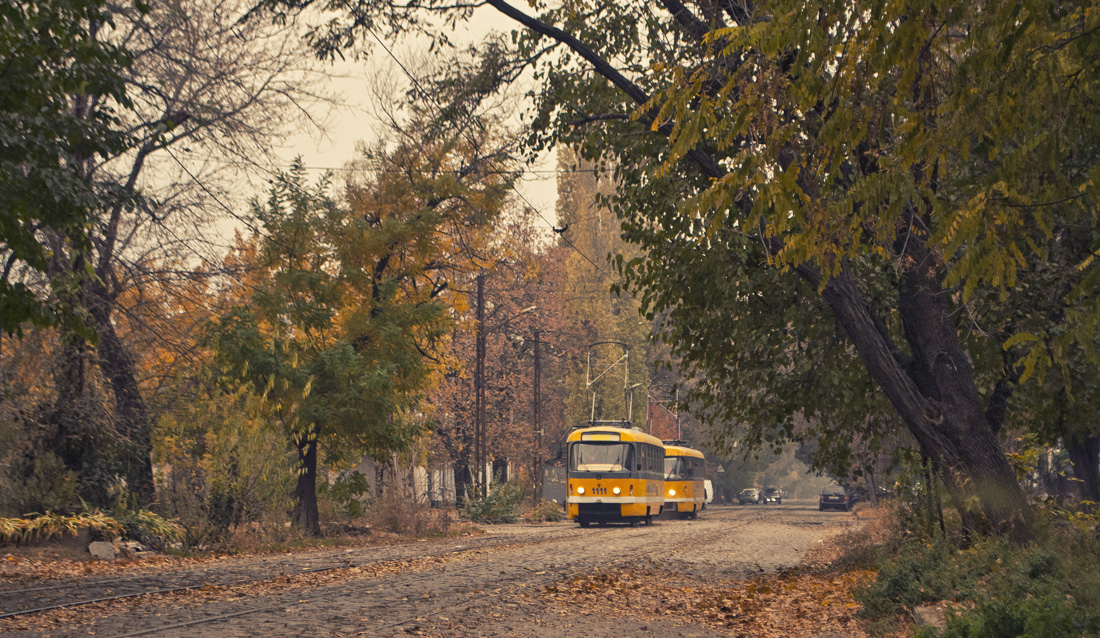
(685, 494)
(616, 474)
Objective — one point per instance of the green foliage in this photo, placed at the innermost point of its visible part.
(54, 69)
(41, 484)
(918, 574)
(347, 492)
(151, 529)
(500, 505)
(55, 460)
(226, 462)
(1046, 588)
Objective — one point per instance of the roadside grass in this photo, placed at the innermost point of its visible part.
(990, 587)
(139, 525)
(32, 548)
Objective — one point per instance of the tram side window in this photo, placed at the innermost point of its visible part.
(654, 459)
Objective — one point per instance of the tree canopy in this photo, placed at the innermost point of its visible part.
(61, 94)
(830, 194)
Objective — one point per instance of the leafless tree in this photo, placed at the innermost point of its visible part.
(213, 96)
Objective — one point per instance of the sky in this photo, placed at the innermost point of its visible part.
(354, 122)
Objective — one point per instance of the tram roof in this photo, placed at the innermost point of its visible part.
(679, 450)
(624, 434)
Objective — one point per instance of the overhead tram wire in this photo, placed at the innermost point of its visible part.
(354, 169)
(257, 231)
(439, 107)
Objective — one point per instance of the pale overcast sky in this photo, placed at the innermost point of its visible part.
(355, 122)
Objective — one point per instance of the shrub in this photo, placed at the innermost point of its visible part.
(1049, 587)
(545, 511)
(397, 513)
(501, 505)
(151, 529)
(47, 526)
(917, 574)
(37, 483)
(225, 465)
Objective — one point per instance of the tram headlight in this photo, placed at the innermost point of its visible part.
(580, 490)
(672, 492)
(616, 491)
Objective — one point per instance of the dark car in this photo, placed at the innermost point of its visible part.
(749, 495)
(772, 495)
(835, 497)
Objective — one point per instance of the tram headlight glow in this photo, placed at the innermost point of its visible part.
(580, 490)
(616, 491)
(672, 492)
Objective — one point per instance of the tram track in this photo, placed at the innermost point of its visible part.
(393, 590)
(395, 584)
(154, 584)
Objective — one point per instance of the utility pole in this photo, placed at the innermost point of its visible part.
(479, 391)
(676, 399)
(538, 429)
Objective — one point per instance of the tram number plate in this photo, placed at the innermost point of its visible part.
(599, 490)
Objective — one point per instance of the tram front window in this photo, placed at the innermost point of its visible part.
(601, 457)
(675, 467)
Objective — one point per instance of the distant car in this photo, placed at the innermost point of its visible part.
(749, 495)
(708, 488)
(835, 497)
(772, 495)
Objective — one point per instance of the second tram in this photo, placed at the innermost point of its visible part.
(685, 494)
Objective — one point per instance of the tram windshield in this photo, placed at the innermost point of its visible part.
(601, 457)
(676, 467)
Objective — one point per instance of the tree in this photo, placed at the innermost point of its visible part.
(200, 88)
(61, 94)
(838, 187)
(352, 313)
(593, 302)
(521, 294)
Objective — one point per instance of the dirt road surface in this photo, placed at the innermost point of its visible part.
(496, 585)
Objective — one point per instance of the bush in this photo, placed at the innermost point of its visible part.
(37, 483)
(501, 505)
(150, 529)
(1049, 587)
(917, 574)
(225, 465)
(44, 527)
(545, 511)
(394, 512)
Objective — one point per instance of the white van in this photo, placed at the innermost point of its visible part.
(708, 489)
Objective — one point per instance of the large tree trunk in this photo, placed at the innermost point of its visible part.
(935, 394)
(305, 515)
(131, 413)
(1085, 454)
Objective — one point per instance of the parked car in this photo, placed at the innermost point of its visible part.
(772, 495)
(749, 495)
(835, 497)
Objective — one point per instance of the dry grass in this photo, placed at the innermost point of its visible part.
(398, 514)
(857, 548)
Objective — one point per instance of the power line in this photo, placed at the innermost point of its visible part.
(439, 106)
(353, 169)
